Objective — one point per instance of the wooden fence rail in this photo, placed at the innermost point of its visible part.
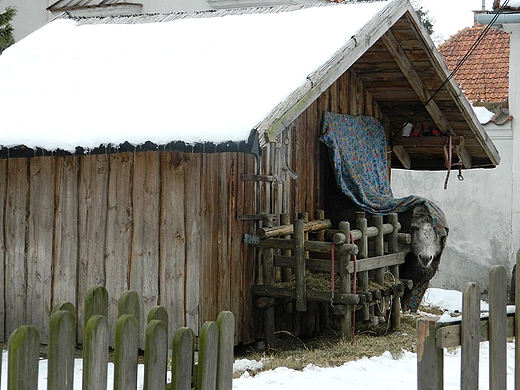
(213, 370)
(433, 337)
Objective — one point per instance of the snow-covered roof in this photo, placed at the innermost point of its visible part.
(200, 79)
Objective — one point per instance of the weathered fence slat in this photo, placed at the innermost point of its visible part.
(155, 355)
(497, 328)
(226, 328)
(216, 341)
(182, 359)
(470, 337)
(208, 352)
(62, 346)
(468, 332)
(24, 348)
(95, 353)
(126, 352)
(430, 359)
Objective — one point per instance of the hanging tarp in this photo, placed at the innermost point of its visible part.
(357, 149)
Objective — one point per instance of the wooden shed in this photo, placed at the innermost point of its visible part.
(167, 216)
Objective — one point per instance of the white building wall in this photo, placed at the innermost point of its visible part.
(514, 108)
(479, 214)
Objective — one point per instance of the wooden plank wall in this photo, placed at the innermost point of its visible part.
(308, 157)
(161, 223)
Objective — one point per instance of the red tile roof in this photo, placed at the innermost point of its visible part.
(484, 76)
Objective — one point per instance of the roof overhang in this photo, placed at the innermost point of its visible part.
(400, 67)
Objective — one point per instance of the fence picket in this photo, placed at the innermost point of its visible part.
(155, 355)
(208, 353)
(126, 352)
(23, 351)
(129, 303)
(216, 341)
(468, 332)
(430, 359)
(497, 328)
(96, 303)
(62, 346)
(182, 359)
(470, 337)
(95, 353)
(226, 327)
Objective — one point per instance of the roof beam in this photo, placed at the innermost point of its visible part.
(415, 81)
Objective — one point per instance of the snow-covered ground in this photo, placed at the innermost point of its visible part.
(384, 372)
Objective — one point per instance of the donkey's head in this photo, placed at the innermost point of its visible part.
(426, 244)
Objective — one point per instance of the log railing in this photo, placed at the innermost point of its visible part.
(287, 250)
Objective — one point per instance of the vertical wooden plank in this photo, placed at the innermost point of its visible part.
(236, 232)
(155, 356)
(144, 261)
(15, 236)
(3, 193)
(299, 256)
(194, 241)
(430, 359)
(93, 189)
(246, 322)
(172, 274)
(24, 348)
(209, 230)
(118, 232)
(40, 244)
(497, 328)
(470, 337)
(346, 287)
(226, 164)
(95, 356)
(66, 230)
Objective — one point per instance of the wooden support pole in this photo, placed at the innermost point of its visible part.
(299, 255)
(395, 313)
(287, 273)
(497, 328)
(430, 359)
(346, 286)
(362, 225)
(268, 257)
(392, 239)
(470, 337)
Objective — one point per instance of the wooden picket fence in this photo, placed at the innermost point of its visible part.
(433, 337)
(212, 370)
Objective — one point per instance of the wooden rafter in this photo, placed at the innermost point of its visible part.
(415, 81)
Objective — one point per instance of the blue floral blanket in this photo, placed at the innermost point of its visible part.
(357, 149)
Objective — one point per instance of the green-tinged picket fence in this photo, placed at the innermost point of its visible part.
(212, 370)
(433, 337)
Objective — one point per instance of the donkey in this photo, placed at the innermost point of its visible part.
(426, 246)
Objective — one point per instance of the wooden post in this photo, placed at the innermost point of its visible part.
(497, 328)
(430, 359)
(470, 337)
(395, 314)
(379, 274)
(126, 352)
(346, 286)
(362, 225)
(323, 307)
(268, 261)
(287, 273)
(299, 256)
